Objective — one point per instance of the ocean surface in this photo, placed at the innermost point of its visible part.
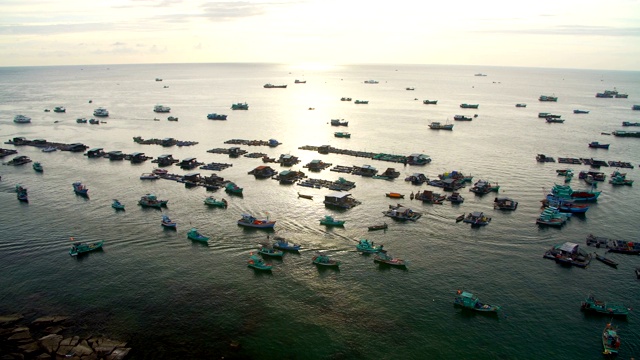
(173, 298)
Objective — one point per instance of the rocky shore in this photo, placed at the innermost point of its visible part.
(49, 337)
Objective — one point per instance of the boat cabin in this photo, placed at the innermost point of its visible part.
(95, 153)
(288, 160)
(166, 142)
(115, 155)
(19, 140)
(324, 149)
(418, 159)
(137, 157)
(365, 170)
(289, 176)
(451, 184)
(165, 160)
(273, 143)
(76, 147)
(189, 163)
(417, 178)
(262, 172)
(317, 165)
(192, 177)
(341, 200)
(235, 151)
(390, 173)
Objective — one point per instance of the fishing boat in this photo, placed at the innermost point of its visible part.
(482, 187)
(563, 205)
(38, 167)
(256, 262)
(606, 260)
(161, 109)
(579, 111)
(21, 193)
(101, 112)
(430, 102)
(551, 216)
(21, 119)
(216, 116)
(461, 118)
(567, 193)
(117, 205)
(168, 223)
(521, 105)
(620, 180)
(601, 307)
(211, 201)
(569, 254)
(438, 126)
(49, 149)
(368, 247)
(271, 86)
(597, 145)
(150, 200)
(361, 102)
(460, 218)
(339, 122)
(382, 226)
(467, 300)
(330, 221)
(384, 258)
(284, 245)
(554, 120)
(610, 340)
(194, 235)
(469, 106)
(172, 118)
(233, 189)
(270, 251)
(250, 221)
(614, 245)
(310, 197)
(394, 195)
(399, 213)
(505, 203)
(149, 176)
(325, 261)
(240, 106)
(455, 198)
(345, 99)
(548, 98)
(341, 134)
(477, 218)
(80, 189)
(79, 248)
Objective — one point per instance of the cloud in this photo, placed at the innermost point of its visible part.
(17, 29)
(575, 30)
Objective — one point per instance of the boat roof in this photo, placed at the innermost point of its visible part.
(339, 195)
(137, 154)
(467, 294)
(165, 156)
(188, 159)
(285, 172)
(569, 247)
(192, 174)
(96, 149)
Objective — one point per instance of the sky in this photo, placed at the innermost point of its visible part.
(585, 34)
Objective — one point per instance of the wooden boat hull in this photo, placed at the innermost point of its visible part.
(606, 261)
(378, 227)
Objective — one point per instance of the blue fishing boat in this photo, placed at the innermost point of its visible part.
(168, 223)
(251, 221)
(194, 235)
(467, 300)
(80, 189)
(551, 216)
(282, 244)
(368, 247)
(21, 193)
(79, 248)
(255, 262)
(564, 205)
(565, 192)
(150, 200)
(117, 205)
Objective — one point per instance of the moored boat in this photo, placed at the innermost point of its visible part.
(233, 189)
(469, 301)
(551, 216)
(597, 145)
(469, 106)
(482, 187)
(330, 221)
(606, 260)
(240, 106)
(477, 218)
(101, 112)
(569, 254)
(38, 167)
(505, 203)
(399, 213)
(438, 126)
(394, 195)
(79, 248)
(21, 119)
(116, 204)
(194, 235)
(455, 198)
(578, 111)
(304, 196)
(282, 244)
(250, 221)
(149, 176)
(270, 251)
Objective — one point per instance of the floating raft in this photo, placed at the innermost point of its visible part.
(212, 182)
(365, 154)
(255, 155)
(215, 166)
(252, 142)
(167, 142)
(41, 143)
(338, 185)
(589, 161)
(228, 151)
(5, 152)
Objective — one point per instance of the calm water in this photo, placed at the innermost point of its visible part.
(173, 298)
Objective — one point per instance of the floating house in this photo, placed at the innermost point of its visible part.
(341, 200)
(289, 176)
(95, 153)
(262, 172)
(288, 160)
(418, 159)
(189, 163)
(137, 157)
(115, 155)
(317, 165)
(165, 160)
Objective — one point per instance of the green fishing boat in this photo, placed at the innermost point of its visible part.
(80, 248)
(270, 251)
(325, 261)
(232, 188)
(610, 340)
(467, 300)
(211, 201)
(330, 221)
(368, 247)
(37, 167)
(597, 306)
(194, 235)
(116, 204)
(257, 263)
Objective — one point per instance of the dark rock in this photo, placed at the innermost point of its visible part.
(49, 320)
(82, 349)
(10, 319)
(65, 350)
(29, 348)
(54, 329)
(118, 354)
(43, 357)
(50, 343)
(21, 335)
(70, 341)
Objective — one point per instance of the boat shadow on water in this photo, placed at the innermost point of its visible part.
(470, 313)
(86, 255)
